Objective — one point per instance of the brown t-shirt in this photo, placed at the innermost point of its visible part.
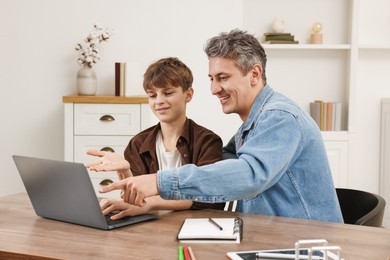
(197, 145)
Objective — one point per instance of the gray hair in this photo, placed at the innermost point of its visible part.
(240, 47)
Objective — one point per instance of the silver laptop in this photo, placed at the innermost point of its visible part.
(63, 191)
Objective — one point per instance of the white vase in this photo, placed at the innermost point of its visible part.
(278, 25)
(86, 81)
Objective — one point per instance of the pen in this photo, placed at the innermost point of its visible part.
(215, 224)
(180, 253)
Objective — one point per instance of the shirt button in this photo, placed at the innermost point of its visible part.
(185, 155)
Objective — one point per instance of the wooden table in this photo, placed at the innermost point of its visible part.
(23, 235)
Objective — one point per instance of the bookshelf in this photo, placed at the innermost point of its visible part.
(308, 72)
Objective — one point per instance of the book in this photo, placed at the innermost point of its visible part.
(280, 42)
(276, 34)
(315, 112)
(120, 78)
(329, 116)
(215, 230)
(337, 125)
(117, 78)
(279, 37)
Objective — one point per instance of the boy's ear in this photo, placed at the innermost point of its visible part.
(189, 93)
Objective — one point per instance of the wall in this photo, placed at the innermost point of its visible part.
(38, 63)
(373, 85)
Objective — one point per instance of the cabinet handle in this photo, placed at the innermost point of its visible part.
(107, 118)
(107, 149)
(105, 182)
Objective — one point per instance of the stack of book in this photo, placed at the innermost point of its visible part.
(279, 38)
(327, 115)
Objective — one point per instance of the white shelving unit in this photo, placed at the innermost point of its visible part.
(322, 71)
(307, 46)
(355, 41)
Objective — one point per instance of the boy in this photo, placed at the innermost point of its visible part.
(173, 142)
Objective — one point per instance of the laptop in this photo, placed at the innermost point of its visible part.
(63, 191)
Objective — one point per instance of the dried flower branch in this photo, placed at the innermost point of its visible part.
(89, 52)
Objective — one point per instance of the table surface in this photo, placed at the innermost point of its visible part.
(24, 235)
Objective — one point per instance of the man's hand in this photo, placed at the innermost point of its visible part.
(135, 189)
(109, 161)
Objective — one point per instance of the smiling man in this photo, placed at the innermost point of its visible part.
(281, 167)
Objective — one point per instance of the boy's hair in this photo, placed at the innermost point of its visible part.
(240, 47)
(168, 71)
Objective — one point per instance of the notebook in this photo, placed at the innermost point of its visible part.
(63, 191)
(211, 230)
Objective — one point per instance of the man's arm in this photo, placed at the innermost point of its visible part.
(229, 150)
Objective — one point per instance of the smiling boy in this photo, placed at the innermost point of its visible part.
(175, 141)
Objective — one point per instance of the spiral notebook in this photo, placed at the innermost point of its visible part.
(215, 230)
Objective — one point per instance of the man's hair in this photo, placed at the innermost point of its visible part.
(168, 71)
(240, 47)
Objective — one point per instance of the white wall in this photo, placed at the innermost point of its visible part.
(38, 62)
(373, 84)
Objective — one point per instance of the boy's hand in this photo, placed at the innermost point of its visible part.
(121, 209)
(109, 161)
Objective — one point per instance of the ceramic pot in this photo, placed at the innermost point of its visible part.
(86, 81)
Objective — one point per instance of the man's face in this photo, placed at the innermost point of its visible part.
(233, 89)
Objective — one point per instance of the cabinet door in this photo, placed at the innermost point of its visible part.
(84, 143)
(107, 119)
(338, 159)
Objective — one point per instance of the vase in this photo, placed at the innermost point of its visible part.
(86, 81)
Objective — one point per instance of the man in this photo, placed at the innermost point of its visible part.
(281, 168)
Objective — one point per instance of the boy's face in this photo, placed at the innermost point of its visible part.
(169, 103)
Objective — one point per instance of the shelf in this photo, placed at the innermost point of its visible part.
(105, 99)
(374, 46)
(307, 46)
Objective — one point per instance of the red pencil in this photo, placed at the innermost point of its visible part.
(186, 255)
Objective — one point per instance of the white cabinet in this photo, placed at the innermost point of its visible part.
(337, 151)
(385, 155)
(101, 123)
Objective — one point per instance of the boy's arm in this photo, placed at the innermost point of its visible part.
(211, 152)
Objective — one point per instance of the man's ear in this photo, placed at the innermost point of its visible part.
(189, 94)
(256, 72)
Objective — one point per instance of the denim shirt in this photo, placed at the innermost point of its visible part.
(282, 167)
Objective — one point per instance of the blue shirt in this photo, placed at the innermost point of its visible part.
(282, 168)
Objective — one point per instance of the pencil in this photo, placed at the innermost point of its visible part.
(215, 224)
(186, 253)
(180, 253)
(191, 253)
